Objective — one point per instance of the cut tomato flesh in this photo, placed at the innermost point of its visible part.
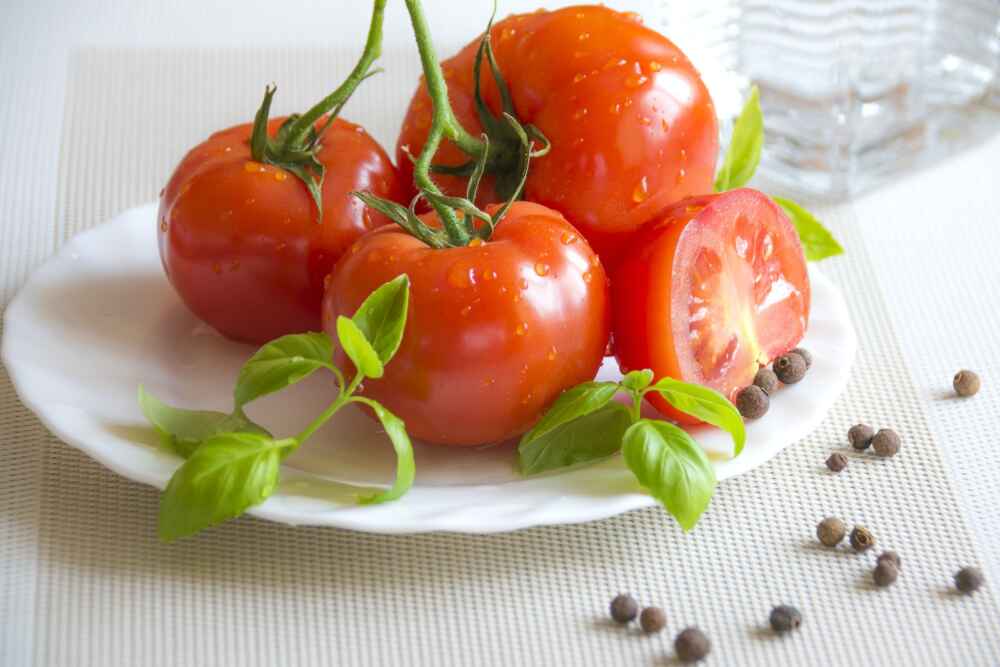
(724, 287)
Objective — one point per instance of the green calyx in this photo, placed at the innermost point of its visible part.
(504, 149)
(296, 143)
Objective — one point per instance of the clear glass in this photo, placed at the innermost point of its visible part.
(852, 91)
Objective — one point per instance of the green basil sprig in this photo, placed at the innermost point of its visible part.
(232, 463)
(585, 424)
(740, 164)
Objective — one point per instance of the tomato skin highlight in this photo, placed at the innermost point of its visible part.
(240, 242)
(495, 331)
(712, 289)
(632, 126)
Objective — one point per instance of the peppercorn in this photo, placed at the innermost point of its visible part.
(766, 380)
(785, 618)
(885, 443)
(836, 462)
(652, 619)
(790, 368)
(862, 539)
(624, 608)
(831, 531)
(806, 356)
(969, 579)
(890, 557)
(885, 574)
(752, 402)
(691, 645)
(860, 436)
(966, 383)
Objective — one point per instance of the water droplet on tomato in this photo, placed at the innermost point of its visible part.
(680, 175)
(163, 225)
(489, 275)
(635, 80)
(523, 283)
(476, 242)
(521, 329)
(580, 113)
(616, 108)
(641, 191)
(527, 399)
(587, 276)
(280, 175)
(465, 311)
(583, 36)
(552, 353)
(628, 101)
(541, 268)
(227, 149)
(579, 77)
(655, 66)
(327, 280)
(645, 120)
(461, 275)
(507, 33)
(568, 238)
(664, 124)
(684, 155)
(250, 166)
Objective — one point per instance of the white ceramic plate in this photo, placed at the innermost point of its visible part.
(100, 318)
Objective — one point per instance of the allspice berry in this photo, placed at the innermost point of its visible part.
(969, 579)
(831, 531)
(885, 443)
(891, 557)
(862, 539)
(784, 618)
(860, 436)
(806, 356)
(885, 574)
(691, 645)
(752, 402)
(652, 619)
(966, 383)
(766, 380)
(836, 462)
(790, 368)
(624, 608)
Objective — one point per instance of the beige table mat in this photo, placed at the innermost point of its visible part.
(84, 580)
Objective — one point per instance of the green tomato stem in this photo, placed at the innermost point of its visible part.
(373, 49)
(635, 410)
(341, 400)
(444, 125)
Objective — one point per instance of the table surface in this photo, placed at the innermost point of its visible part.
(927, 281)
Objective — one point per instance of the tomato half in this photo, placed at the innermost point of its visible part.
(240, 241)
(711, 290)
(495, 331)
(632, 126)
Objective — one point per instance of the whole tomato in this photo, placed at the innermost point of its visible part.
(240, 240)
(711, 290)
(496, 329)
(631, 125)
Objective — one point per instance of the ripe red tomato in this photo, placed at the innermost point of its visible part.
(495, 331)
(711, 290)
(240, 241)
(632, 126)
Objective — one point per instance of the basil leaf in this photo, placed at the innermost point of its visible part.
(743, 154)
(282, 362)
(637, 380)
(183, 430)
(672, 467)
(817, 241)
(358, 349)
(225, 476)
(707, 405)
(571, 404)
(405, 468)
(593, 436)
(382, 316)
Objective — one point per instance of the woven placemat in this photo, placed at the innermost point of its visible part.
(85, 581)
